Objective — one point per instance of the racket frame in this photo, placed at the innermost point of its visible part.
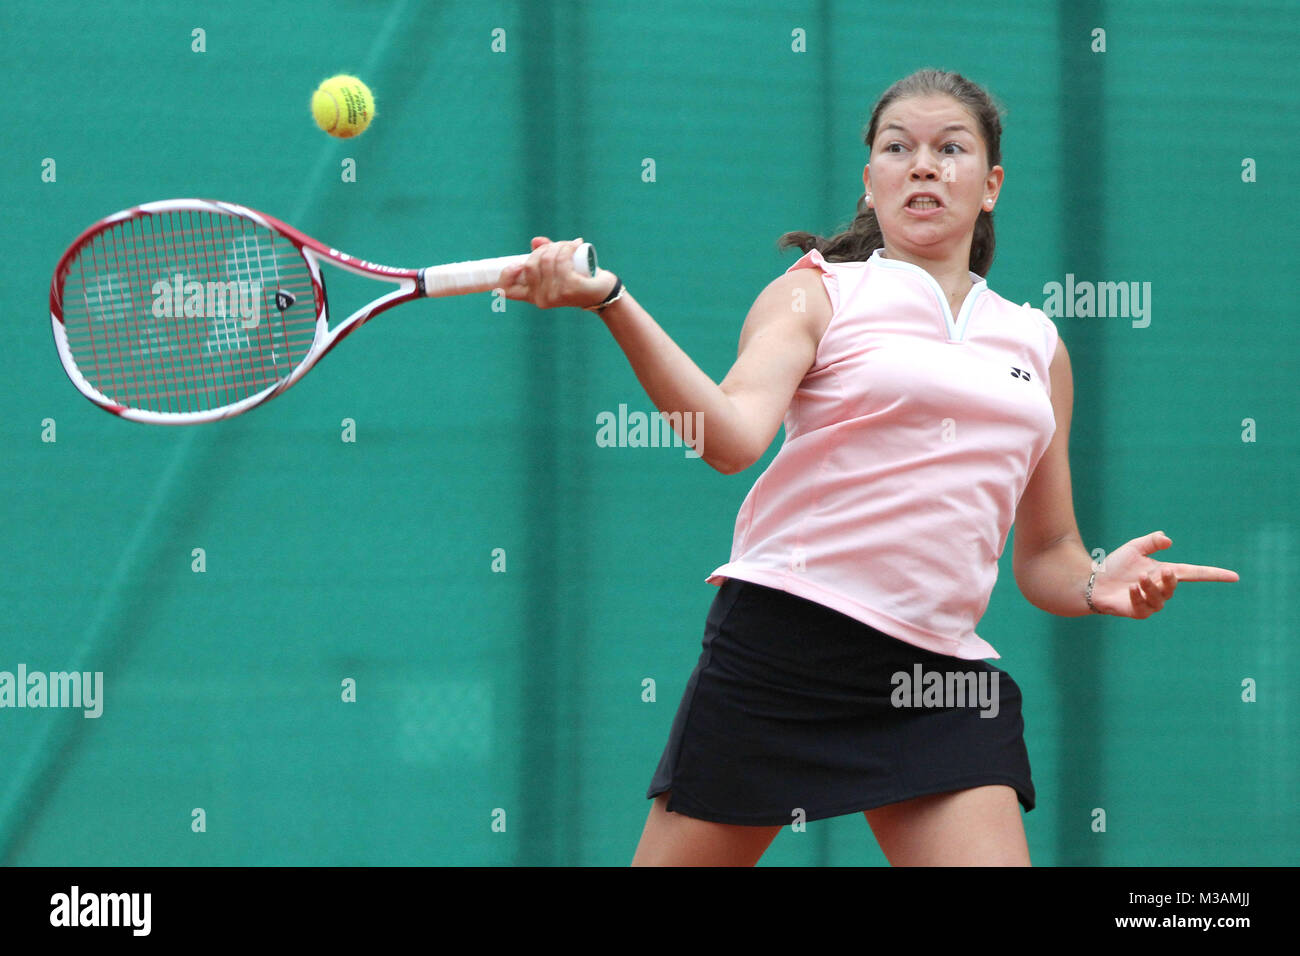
(410, 286)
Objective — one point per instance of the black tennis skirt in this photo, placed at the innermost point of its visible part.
(796, 707)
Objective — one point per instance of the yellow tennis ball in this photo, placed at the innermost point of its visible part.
(343, 106)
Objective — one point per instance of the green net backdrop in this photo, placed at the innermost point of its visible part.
(506, 717)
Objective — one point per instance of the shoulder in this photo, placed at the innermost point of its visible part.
(811, 280)
(797, 300)
(1040, 317)
(813, 285)
(1034, 321)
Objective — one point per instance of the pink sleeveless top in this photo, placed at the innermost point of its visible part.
(907, 447)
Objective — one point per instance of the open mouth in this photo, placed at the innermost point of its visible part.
(923, 202)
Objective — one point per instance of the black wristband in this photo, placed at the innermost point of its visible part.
(615, 294)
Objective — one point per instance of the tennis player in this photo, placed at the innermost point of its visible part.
(924, 414)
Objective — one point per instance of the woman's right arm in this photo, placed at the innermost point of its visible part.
(742, 415)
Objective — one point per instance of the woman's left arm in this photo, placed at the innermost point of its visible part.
(1051, 565)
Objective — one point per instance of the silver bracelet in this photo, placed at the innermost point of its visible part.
(1088, 594)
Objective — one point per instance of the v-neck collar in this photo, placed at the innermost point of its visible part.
(956, 329)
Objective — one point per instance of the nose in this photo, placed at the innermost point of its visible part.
(926, 166)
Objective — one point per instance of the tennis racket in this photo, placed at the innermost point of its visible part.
(189, 310)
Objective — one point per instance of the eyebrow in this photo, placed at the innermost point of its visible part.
(960, 127)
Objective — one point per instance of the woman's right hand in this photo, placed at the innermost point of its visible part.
(548, 279)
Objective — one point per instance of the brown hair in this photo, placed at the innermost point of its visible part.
(863, 236)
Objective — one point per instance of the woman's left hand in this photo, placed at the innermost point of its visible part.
(1130, 584)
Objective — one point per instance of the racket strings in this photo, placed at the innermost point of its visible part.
(187, 310)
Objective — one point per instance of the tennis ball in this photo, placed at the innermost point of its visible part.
(343, 106)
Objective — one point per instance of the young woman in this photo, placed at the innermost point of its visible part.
(924, 413)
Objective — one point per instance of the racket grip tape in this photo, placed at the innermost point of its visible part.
(482, 275)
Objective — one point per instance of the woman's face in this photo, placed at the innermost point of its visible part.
(932, 145)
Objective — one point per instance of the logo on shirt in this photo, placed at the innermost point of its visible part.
(1019, 373)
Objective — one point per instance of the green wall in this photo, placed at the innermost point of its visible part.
(475, 429)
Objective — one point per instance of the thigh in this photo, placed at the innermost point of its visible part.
(673, 839)
(980, 826)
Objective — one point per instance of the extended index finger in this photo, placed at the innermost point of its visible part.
(1201, 572)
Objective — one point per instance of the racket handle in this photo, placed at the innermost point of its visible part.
(481, 275)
